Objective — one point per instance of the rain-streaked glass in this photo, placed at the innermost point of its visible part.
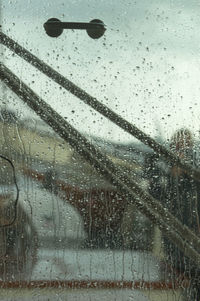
(122, 222)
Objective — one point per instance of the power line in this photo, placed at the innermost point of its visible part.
(98, 106)
(181, 235)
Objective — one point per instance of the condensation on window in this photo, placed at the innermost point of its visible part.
(99, 150)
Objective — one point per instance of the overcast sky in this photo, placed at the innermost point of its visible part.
(146, 67)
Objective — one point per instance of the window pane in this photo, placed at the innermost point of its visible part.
(119, 221)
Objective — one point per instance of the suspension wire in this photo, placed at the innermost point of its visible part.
(181, 235)
(17, 195)
(99, 107)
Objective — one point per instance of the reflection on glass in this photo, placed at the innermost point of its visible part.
(72, 228)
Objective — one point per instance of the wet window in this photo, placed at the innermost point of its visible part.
(99, 150)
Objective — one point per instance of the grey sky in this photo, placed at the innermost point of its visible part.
(146, 67)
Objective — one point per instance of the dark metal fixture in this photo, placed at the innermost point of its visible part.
(54, 27)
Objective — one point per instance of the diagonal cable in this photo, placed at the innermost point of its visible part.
(96, 105)
(182, 236)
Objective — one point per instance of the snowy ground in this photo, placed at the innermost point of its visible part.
(88, 266)
(96, 265)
